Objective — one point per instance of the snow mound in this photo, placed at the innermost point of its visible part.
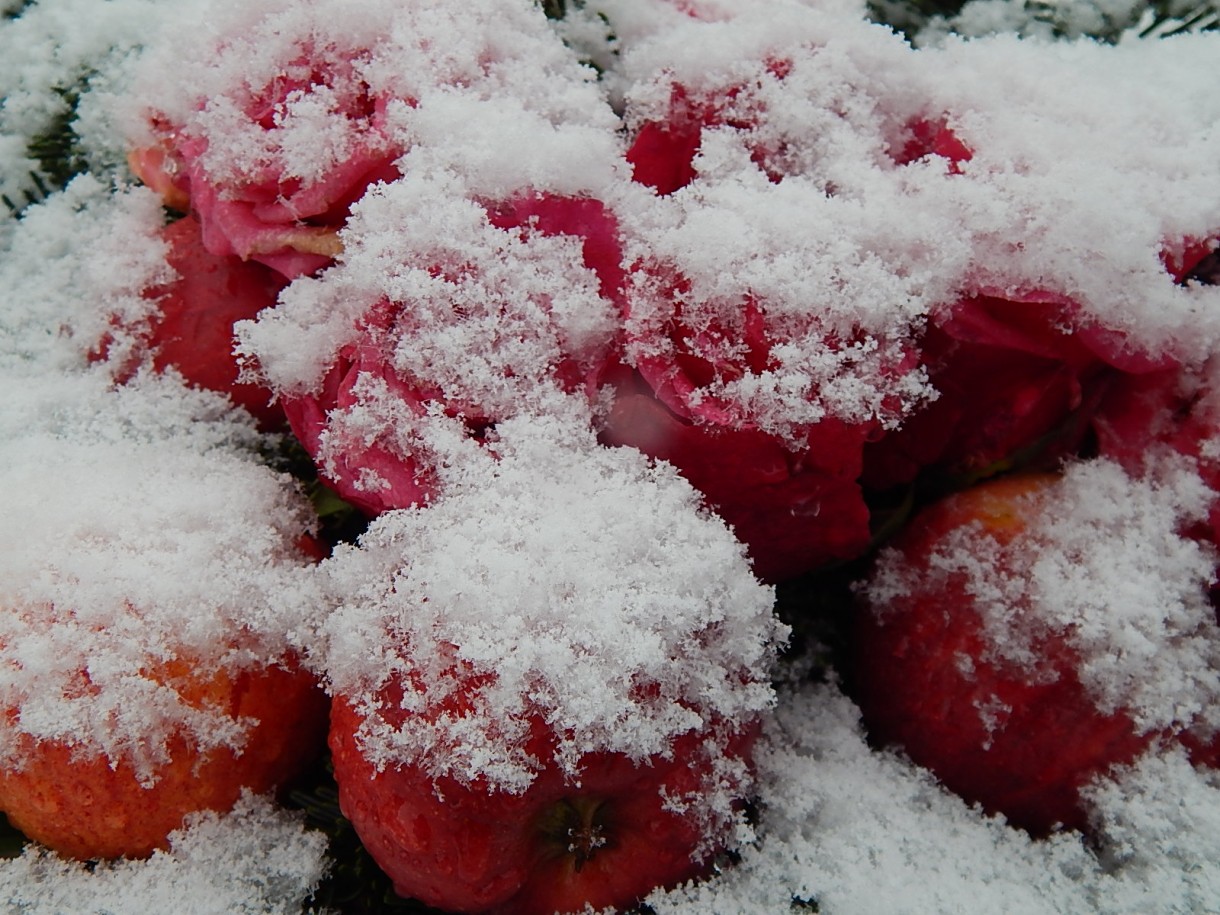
(256, 860)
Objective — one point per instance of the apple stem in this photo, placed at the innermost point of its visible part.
(583, 841)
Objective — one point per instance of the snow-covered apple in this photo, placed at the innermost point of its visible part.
(606, 836)
(548, 682)
(81, 803)
(148, 668)
(1024, 637)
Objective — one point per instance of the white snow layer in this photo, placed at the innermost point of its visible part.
(256, 860)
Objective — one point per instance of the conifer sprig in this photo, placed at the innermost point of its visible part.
(56, 149)
(1074, 19)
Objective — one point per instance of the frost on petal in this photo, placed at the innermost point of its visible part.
(480, 313)
(279, 121)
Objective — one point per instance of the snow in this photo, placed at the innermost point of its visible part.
(862, 831)
(499, 54)
(143, 522)
(257, 860)
(487, 315)
(147, 546)
(82, 239)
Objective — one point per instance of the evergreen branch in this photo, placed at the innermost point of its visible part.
(1167, 22)
(1157, 19)
(37, 194)
(57, 148)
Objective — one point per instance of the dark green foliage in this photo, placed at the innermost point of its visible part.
(11, 840)
(37, 191)
(1169, 17)
(338, 521)
(57, 151)
(57, 148)
(909, 16)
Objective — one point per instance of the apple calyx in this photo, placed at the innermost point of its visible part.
(576, 828)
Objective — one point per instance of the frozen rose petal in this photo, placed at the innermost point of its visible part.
(276, 207)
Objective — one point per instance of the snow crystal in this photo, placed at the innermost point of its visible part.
(760, 243)
(584, 581)
(402, 57)
(1062, 18)
(256, 860)
(1042, 210)
(57, 50)
(96, 253)
(486, 314)
(816, 107)
(856, 831)
(571, 582)
(1158, 823)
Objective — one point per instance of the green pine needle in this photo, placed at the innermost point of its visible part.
(57, 148)
(1157, 19)
(1169, 19)
(57, 151)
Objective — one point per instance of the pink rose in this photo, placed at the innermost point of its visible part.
(924, 137)
(789, 489)
(664, 144)
(259, 203)
(367, 424)
(1019, 374)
